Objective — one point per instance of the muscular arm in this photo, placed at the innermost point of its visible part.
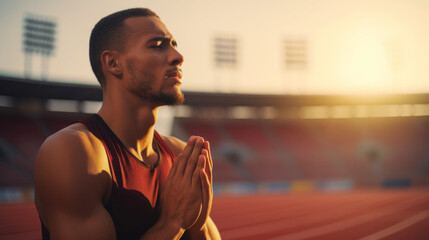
(72, 181)
(70, 186)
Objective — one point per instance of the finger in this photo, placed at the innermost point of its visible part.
(207, 147)
(208, 168)
(174, 166)
(196, 175)
(196, 152)
(206, 189)
(183, 160)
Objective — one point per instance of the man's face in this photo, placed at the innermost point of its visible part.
(152, 62)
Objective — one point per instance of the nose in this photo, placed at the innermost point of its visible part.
(176, 58)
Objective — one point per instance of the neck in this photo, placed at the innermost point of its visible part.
(133, 122)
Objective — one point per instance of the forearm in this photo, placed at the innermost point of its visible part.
(208, 231)
(163, 230)
(197, 234)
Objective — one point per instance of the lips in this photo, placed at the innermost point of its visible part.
(174, 73)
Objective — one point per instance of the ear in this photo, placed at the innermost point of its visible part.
(110, 62)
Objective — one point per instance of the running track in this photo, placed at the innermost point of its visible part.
(366, 215)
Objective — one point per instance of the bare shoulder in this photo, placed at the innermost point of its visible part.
(176, 145)
(71, 163)
(74, 143)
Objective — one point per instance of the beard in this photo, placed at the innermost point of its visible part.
(141, 85)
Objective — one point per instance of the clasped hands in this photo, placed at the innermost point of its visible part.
(187, 194)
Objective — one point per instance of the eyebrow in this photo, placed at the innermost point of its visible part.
(167, 38)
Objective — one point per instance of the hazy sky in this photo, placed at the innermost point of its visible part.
(362, 46)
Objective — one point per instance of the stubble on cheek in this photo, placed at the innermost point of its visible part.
(140, 83)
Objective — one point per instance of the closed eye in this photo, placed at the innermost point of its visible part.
(161, 42)
(158, 44)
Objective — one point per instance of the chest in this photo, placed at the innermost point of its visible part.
(134, 192)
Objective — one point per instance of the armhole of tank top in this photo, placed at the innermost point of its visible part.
(92, 120)
(106, 198)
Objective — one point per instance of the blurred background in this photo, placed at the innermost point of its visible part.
(296, 97)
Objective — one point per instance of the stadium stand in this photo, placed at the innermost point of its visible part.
(367, 151)
(22, 133)
(256, 156)
(20, 139)
(285, 149)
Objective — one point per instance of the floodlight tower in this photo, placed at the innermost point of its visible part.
(38, 38)
(226, 60)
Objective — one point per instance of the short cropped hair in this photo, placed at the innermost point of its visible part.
(109, 34)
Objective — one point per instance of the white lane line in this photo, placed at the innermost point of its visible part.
(271, 226)
(397, 227)
(337, 226)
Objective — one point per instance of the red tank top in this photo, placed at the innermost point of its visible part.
(135, 187)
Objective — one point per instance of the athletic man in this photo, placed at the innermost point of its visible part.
(111, 175)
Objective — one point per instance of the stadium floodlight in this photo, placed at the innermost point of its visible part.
(225, 52)
(38, 38)
(295, 54)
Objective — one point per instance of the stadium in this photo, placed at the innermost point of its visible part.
(269, 151)
(286, 165)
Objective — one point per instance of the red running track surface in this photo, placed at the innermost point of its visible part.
(366, 215)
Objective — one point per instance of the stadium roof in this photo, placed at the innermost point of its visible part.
(36, 89)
